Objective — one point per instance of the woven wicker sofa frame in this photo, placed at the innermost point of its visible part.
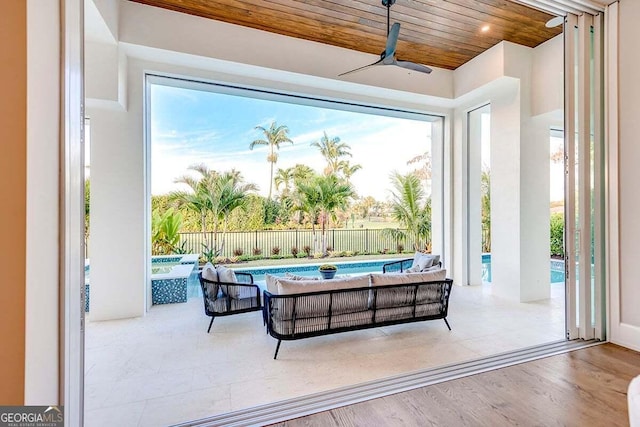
(305, 315)
(219, 304)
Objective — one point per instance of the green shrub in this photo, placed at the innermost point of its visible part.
(557, 235)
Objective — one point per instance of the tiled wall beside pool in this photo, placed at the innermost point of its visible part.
(168, 291)
(168, 287)
(86, 297)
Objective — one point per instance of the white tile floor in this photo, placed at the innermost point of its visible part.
(164, 368)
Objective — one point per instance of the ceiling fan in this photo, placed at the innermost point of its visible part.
(388, 56)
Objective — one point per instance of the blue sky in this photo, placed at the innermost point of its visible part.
(189, 126)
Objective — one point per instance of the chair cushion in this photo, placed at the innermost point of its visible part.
(227, 275)
(209, 272)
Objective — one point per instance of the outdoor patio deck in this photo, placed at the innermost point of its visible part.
(164, 368)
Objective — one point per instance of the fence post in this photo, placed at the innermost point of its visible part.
(256, 245)
(333, 239)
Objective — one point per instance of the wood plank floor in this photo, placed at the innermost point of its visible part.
(581, 388)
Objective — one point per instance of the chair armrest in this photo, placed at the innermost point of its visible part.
(244, 277)
(398, 266)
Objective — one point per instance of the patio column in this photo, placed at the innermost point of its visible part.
(519, 197)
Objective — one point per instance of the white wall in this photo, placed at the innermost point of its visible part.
(118, 200)
(626, 330)
(547, 77)
(101, 62)
(504, 77)
(43, 78)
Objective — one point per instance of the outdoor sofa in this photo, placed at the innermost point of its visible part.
(296, 309)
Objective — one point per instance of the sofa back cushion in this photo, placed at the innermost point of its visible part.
(289, 287)
(380, 279)
(292, 276)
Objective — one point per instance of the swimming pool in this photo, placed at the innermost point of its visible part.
(556, 276)
(311, 270)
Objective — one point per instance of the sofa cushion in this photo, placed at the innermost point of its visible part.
(307, 306)
(404, 296)
(288, 286)
(272, 283)
(384, 279)
(298, 277)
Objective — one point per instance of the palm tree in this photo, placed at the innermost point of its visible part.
(196, 199)
(227, 193)
(302, 173)
(285, 178)
(322, 196)
(411, 208)
(274, 136)
(215, 193)
(347, 170)
(333, 151)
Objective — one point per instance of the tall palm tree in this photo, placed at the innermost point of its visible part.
(411, 208)
(274, 136)
(333, 151)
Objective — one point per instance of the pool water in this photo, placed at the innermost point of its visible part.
(349, 268)
(557, 276)
(162, 268)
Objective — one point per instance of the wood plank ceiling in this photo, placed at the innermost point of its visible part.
(439, 33)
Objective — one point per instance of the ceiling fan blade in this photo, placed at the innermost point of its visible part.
(392, 40)
(378, 62)
(413, 66)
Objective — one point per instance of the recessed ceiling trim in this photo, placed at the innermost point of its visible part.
(561, 7)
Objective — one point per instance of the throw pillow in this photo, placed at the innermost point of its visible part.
(422, 261)
(227, 275)
(209, 272)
